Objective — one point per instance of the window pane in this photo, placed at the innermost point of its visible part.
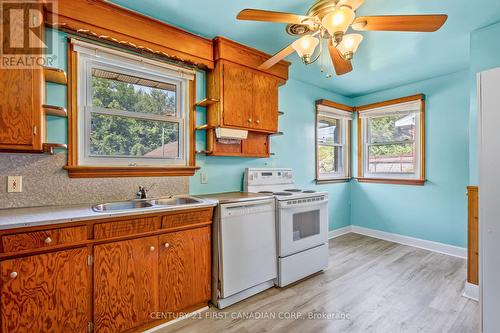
(329, 130)
(116, 136)
(129, 93)
(397, 158)
(330, 160)
(392, 128)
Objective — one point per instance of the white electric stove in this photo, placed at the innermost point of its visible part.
(302, 223)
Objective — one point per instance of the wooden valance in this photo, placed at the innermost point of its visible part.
(108, 21)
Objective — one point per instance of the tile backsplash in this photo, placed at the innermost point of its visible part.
(46, 183)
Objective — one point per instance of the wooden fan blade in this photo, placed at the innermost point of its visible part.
(354, 4)
(341, 65)
(268, 16)
(417, 23)
(277, 57)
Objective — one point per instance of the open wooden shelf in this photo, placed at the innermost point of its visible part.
(55, 75)
(49, 147)
(58, 111)
(203, 127)
(277, 134)
(206, 102)
(281, 113)
(206, 152)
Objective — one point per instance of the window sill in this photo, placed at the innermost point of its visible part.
(128, 171)
(332, 181)
(414, 182)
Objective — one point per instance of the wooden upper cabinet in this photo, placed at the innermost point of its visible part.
(265, 94)
(125, 284)
(247, 95)
(21, 125)
(184, 269)
(46, 293)
(238, 96)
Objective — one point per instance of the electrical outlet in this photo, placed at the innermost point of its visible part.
(14, 184)
(204, 178)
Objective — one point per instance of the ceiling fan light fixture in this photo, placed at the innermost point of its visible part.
(339, 20)
(349, 45)
(305, 47)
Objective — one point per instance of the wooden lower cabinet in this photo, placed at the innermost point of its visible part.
(184, 269)
(127, 274)
(135, 279)
(125, 284)
(46, 293)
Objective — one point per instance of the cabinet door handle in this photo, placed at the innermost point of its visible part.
(249, 120)
(167, 245)
(257, 121)
(48, 240)
(13, 275)
(152, 248)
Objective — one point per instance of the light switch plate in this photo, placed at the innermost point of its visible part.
(204, 178)
(14, 184)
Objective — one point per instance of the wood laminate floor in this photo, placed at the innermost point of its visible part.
(370, 285)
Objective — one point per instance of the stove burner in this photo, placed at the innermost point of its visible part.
(282, 193)
(266, 192)
(309, 191)
(294, 190)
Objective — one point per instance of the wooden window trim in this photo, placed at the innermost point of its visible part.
(346, 178)
(77, 171)
(416, 182)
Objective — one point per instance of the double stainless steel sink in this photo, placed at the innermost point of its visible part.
(146, 203)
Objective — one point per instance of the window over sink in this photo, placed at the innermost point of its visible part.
(132, 111)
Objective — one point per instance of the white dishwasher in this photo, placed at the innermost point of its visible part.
(245, 257)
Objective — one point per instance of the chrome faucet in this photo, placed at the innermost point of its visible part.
(143, 192)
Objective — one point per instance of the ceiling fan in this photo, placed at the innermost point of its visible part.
(329, 20)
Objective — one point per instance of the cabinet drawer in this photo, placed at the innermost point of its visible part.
(44, 238)
(183, 219)
(126, 227)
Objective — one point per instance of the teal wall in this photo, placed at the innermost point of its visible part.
(295, 149)
(436, 211)
(484, 55)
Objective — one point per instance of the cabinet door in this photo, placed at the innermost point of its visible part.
(265, 93)
(46, 293)
(21, 109)
(238, 96)
(125, 284)
(256, 145)
(184, 269)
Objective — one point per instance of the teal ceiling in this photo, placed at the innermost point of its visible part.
(384, 60)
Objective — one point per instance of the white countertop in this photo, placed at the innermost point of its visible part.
(36, 216)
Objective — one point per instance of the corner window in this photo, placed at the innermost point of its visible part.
(391, 141)
(132, 111)
(332, 142)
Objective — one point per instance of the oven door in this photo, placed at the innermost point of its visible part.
(303, 224)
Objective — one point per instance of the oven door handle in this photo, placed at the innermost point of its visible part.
(307, 204)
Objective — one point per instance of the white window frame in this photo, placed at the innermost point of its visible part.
(345, 119)
(92, 56)
(415, 107)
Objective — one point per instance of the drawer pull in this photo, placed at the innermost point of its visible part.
(13, 275)
(167, 245)
(152, 249)
(48, 240)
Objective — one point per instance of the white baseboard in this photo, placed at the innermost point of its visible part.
(471, 291)
(450, 250)
(339, 232)
(176, 320)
